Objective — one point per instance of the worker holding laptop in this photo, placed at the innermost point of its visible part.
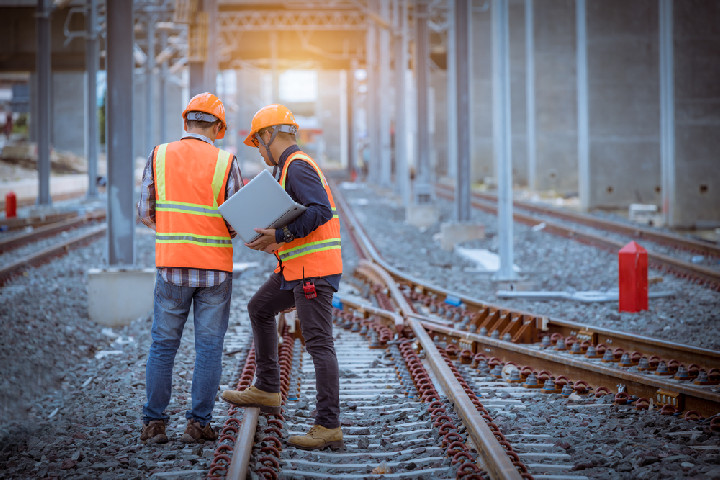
(308, 272)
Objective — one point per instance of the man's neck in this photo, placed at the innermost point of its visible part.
(278, 149)
(200, 131)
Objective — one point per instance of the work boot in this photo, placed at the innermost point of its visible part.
(154, 432)
(196, 433)
(254, 397)
(318, 438)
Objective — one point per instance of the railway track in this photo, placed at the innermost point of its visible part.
(574, 226)
(88, 225)
(420, 362)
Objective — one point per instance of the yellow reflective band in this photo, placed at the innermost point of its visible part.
(190, 212)
(185, 207)
(194, 242)
(160, 169)
(202, 240)
(312, 163)
(316, 250)
(312, 247)
(219, 175)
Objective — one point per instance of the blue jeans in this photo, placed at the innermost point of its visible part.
(211, 312)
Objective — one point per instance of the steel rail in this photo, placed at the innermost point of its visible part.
(48, 230)
(635, 231)
(243, 447)
(495, 459)
(548, 326)
(695, 398)
(702, 275)
(45, 255)
(16, 223)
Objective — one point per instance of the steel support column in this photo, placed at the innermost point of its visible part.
(452, 147)
(211, 61)
(162, 89)
(402, 175)
(121, 185)
(351, 136)
(461, 133)
(423, 191)
(149, 83)
(197, 71)
(530, 93)
(371, 99)
(92, 58)
(667, 111)
(582, 107)
(383, 105)
(44, 104)
(502, 137)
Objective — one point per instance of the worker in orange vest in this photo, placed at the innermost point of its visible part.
(183, 184)
(308, 272)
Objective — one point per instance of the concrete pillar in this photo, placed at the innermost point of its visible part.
(69, 107)
(697, 113)
(556, 96)
(623, 102)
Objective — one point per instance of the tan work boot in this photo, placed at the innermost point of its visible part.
(254, 397)
(196, 433)
(318, 438)
(154, 432)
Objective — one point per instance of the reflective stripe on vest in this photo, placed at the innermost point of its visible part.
(319, 253)
(309, 248)
(191, 233)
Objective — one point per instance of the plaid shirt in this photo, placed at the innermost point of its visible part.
(184, 277)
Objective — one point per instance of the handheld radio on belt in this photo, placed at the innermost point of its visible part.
(308, 287)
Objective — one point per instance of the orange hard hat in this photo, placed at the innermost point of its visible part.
(267, 117)
(207, 103)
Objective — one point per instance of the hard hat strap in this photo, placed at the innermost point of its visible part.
(202, 117)
(291, 129)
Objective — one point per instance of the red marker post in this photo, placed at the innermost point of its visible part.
(633, 278)
(10, 205)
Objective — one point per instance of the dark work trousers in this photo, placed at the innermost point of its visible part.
(315, 318)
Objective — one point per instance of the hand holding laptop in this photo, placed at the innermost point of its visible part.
(266, 242)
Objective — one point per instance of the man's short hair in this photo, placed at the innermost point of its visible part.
(200, 124)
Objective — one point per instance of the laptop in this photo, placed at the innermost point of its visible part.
(262, 203)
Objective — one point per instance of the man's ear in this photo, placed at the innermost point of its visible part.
(185, 124)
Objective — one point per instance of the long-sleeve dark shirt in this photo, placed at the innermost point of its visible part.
(304, 186)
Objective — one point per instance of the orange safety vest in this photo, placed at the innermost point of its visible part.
(318, 254)
(190, 180)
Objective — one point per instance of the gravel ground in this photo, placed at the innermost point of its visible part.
(68, 410)
(549, 262)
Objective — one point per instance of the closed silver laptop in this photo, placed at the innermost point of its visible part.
(262, 203)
